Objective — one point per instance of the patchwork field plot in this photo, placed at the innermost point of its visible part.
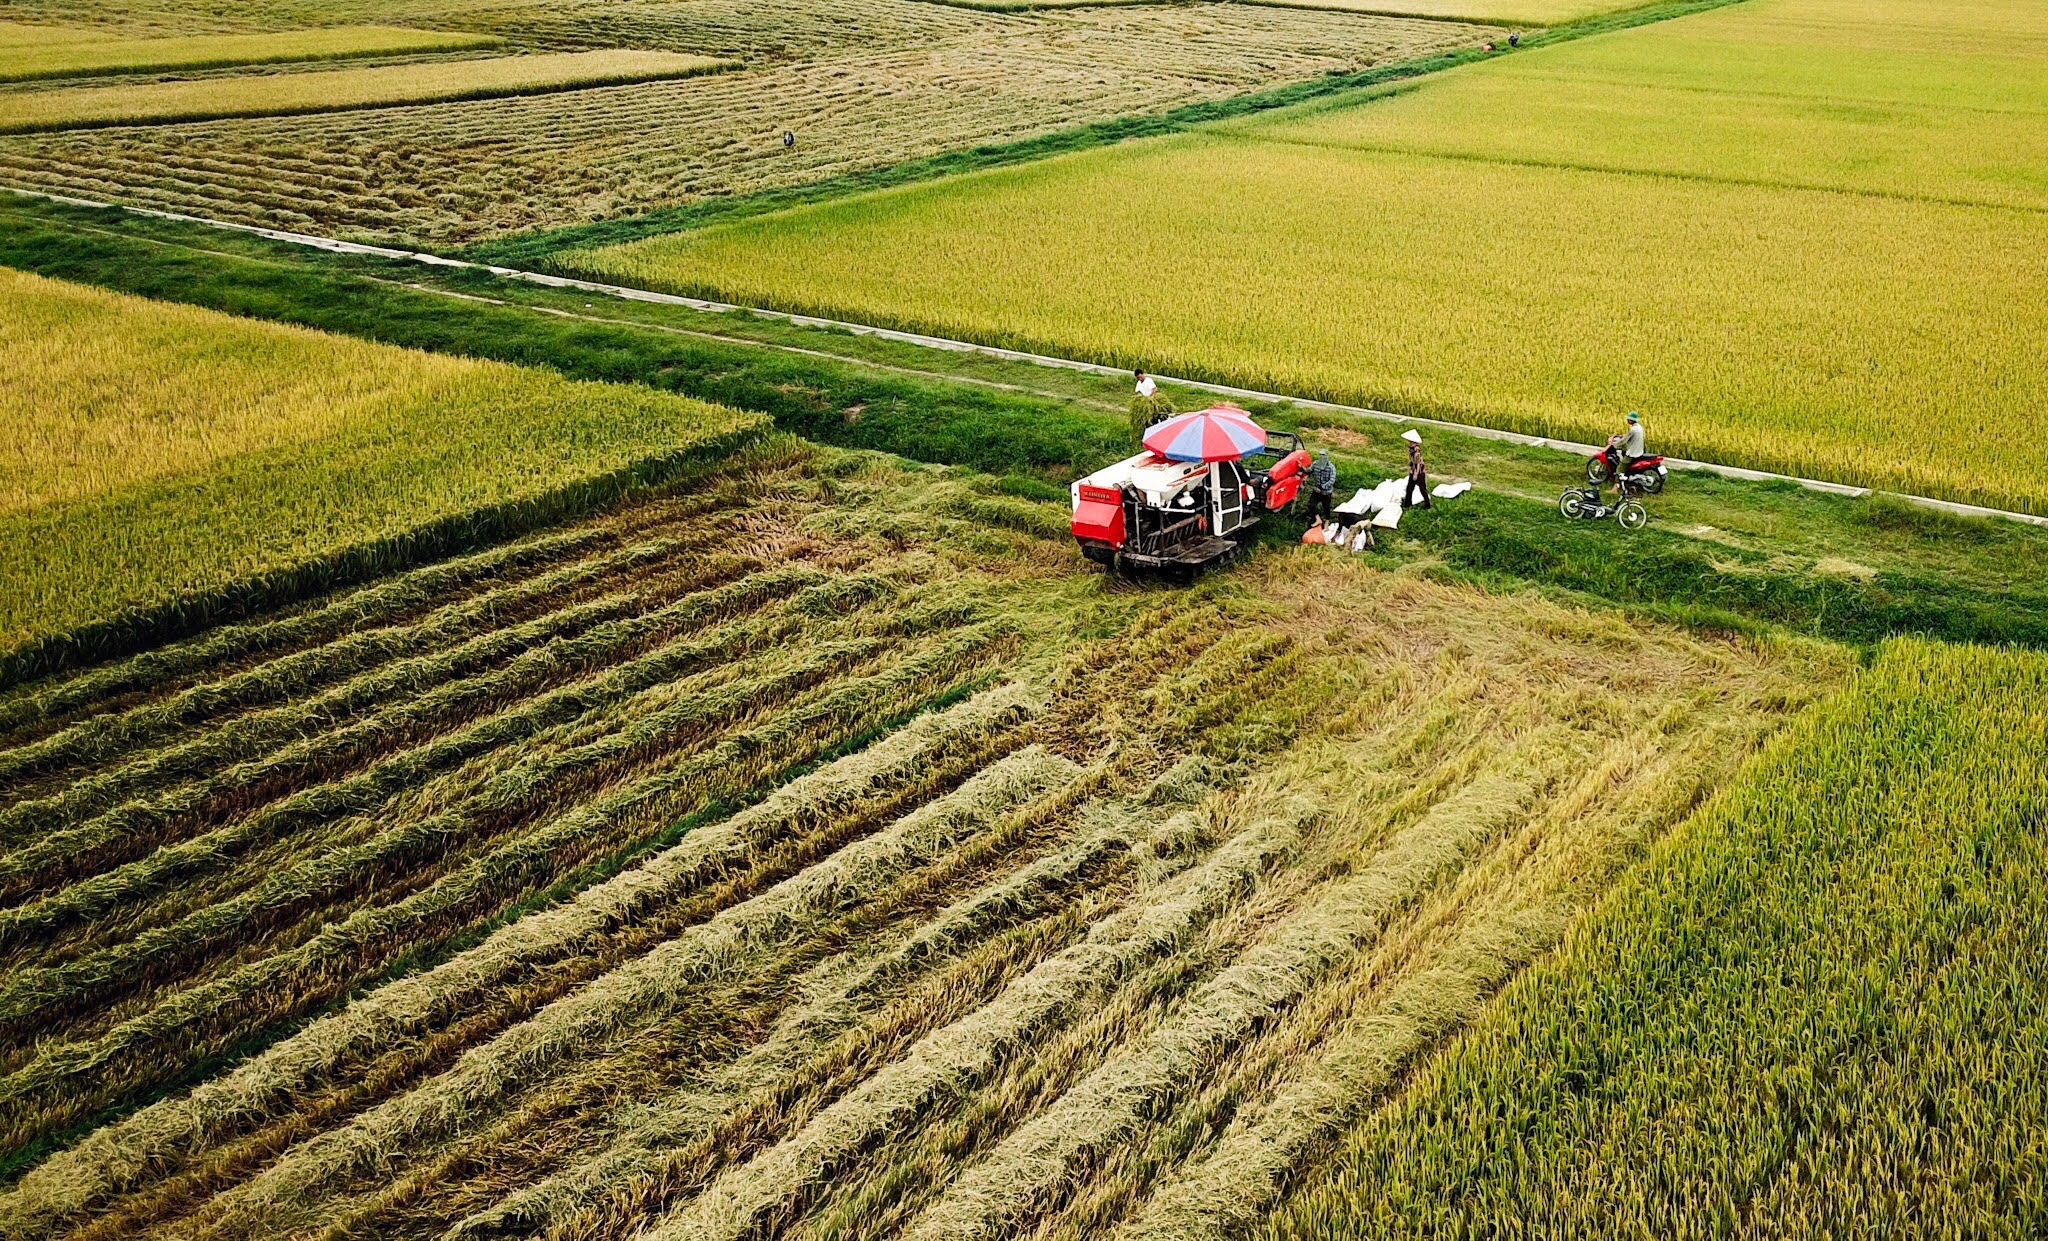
(862, 83)
(1861, 915)
(1501, 258)
(28, 52)
(151, 450)
(1156, 890)
(341, 90)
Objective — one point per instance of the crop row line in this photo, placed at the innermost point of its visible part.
(635, 992)
(359, 794)
(99, 739)
(520, 788)
(178, 1131)
(731, 765)
(383, 602)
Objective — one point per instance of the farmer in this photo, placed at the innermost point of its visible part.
(1418, 478)
(1322, 486)
(1625, 449)
(1147, 388)
(1632, 439)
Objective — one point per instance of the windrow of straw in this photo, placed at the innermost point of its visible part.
(357, 945)
(177, 1130)
(382, 603)
(650, 986)
(159, 819)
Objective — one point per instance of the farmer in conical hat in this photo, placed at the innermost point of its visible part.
(1418, 478)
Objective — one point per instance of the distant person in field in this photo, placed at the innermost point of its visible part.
(1322, 487)
(1418, 476)
(1147, 407)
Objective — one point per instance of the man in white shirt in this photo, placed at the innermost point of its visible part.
(1146, 388)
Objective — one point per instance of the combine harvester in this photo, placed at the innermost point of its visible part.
(1191, 498)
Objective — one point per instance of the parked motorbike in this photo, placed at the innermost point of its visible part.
(1585, 503)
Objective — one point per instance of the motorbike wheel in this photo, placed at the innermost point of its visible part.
(1631, 515)
(1572, 503)
(1596, 471)
(1653, 482)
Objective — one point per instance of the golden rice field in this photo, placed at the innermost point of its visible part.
(807, 849)
(338, 90)
(33, 51)
(1853, 292)
(862, 83)
(1816, 1011)
(148, 450)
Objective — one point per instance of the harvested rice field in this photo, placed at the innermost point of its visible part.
(862, 84)
(807, 848)
(342, 90)
(35, 51)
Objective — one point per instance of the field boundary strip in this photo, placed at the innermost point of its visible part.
(625, 293)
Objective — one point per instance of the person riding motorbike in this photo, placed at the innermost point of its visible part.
(1626, 449)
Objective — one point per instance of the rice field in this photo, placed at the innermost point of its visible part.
(1842, 290)
(341, 90)
(1816, 1012)
(808, 848)
(150, 450)
(863, 84)
(29, 51)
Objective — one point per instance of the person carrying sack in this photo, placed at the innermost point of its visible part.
(1418, 477)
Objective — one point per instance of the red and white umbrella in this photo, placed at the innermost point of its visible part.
(1219, 433)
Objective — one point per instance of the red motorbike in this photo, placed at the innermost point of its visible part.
(1644, 473)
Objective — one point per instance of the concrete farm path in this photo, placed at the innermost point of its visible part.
(626, 293)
